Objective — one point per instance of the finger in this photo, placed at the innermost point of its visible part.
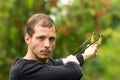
(96, 51)
(94, 45)
(94, 55)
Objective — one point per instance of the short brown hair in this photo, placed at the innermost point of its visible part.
(46, 21)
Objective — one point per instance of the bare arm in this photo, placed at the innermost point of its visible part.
(90, 52)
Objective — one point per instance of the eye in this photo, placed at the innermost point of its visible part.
(52, 38)
(41, 38)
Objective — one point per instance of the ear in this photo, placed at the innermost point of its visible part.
(27, 38)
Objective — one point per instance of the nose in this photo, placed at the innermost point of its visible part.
(47, 43)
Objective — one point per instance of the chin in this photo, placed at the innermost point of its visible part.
(44, 60)
(44, 57)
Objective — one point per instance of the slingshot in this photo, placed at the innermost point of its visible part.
(93, 40)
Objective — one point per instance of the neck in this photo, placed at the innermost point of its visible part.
(31, 56)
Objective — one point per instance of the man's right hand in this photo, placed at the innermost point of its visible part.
(70, 58)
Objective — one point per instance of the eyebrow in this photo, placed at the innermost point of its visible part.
(45, 36)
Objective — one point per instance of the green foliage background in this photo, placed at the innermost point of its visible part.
(75, 21)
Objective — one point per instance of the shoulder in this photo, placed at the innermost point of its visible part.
(22, 67)
(55, 62)
(25, 65)
(17, 64)
(15, 71)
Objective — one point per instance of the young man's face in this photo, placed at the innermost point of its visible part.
(42, 42)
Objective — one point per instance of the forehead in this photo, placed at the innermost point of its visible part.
(45, 31)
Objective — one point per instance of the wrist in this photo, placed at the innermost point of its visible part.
(80, 59)
(85, 57)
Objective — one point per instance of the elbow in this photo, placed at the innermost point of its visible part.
(80, 73)
(76, 70)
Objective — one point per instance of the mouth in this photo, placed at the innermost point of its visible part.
(46, 52)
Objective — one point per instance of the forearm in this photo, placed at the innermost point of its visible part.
(68, 71)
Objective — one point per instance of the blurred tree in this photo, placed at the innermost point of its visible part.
(75, 20)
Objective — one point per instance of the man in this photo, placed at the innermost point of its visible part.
(40, 37)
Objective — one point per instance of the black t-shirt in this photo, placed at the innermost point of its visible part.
(23, 69)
